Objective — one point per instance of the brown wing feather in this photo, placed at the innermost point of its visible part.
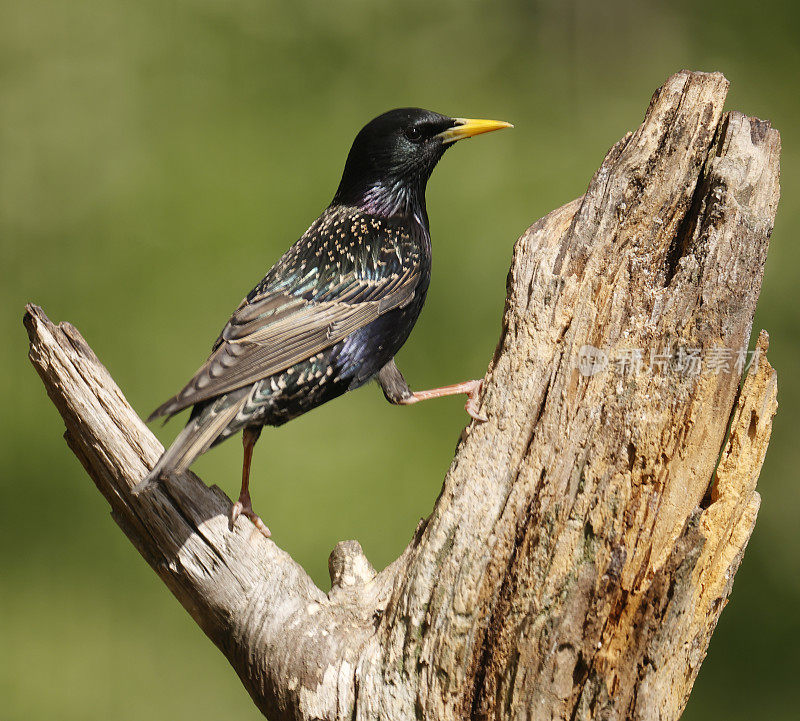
(273, 332)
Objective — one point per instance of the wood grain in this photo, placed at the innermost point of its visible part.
(587, 534)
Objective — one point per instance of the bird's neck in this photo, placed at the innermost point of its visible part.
(398, 199)
(387, 201)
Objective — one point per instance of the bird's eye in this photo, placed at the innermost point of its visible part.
(414, 134)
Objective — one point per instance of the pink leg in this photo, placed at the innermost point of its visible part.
(244, 505)
(471, 388)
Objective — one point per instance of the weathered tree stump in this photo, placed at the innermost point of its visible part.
(587, 534)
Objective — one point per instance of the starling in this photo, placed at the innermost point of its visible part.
(332, 313)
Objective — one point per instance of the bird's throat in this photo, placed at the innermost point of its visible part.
(395, 199)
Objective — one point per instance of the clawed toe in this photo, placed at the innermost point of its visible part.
(474, 413)
(236, 511)
(239, 509)
(472, 404)
(260, 525)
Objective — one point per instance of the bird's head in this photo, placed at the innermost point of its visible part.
(394, 155)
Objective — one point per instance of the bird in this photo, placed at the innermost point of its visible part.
(332, 312)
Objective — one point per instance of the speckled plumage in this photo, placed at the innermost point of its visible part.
(324, 320)
(336, 307)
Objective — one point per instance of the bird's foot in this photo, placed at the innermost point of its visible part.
(243, 507)
(471, 388)
(471, 406)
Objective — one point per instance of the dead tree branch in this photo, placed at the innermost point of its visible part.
(583, 546)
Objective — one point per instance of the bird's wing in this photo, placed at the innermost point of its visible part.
(274, 330)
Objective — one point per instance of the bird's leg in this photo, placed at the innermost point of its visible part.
(397, 391)
(472, 390)
(244, 505)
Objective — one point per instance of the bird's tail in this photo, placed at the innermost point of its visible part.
(195, 439)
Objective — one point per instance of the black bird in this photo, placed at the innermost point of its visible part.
(333, 311)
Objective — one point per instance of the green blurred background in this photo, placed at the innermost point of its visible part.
(156, 157)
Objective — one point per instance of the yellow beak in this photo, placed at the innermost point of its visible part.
(467, 127)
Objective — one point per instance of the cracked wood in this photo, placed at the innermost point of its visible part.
(587, 534)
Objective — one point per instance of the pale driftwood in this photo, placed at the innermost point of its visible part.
(579, 555)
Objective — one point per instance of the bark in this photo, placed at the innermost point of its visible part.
(587, 534)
